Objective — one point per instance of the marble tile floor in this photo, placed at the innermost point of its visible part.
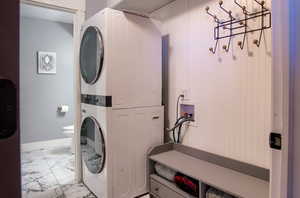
(48, 172)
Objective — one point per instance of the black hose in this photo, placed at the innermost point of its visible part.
(182, 117)
(179, 133)
(179, 129)
(179, 123)
(177, 119)
(174, 138)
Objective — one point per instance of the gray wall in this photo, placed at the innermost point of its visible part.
(41, 94)
(94, 6)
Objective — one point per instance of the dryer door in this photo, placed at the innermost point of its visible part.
(92, 145)
(91, 55)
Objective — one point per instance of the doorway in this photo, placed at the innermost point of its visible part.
(47, 104)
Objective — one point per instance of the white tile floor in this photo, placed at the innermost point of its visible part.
(48, 172)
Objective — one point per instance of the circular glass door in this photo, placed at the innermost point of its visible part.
(91, 55)
(92, 145)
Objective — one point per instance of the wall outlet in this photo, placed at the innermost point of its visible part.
(186, 93)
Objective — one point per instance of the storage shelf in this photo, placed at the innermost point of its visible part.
(228, 180)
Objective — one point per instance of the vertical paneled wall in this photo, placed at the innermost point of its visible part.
(231, 91)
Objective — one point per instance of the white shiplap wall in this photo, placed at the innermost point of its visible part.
(231, 91)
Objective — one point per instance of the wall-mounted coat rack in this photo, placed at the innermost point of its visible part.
(233, 26)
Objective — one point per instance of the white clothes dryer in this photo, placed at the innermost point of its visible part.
(121, 59)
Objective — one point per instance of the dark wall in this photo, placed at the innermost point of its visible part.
(10, 180)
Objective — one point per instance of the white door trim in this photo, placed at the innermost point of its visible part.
(78, 19)
(281, 104)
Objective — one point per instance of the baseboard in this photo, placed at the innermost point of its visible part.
(45, 144)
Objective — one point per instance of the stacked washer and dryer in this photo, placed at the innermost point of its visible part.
(122, 115)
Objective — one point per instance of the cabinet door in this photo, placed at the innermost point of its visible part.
(121, 150)
(134, 132)
(148, 131)
(162, 191)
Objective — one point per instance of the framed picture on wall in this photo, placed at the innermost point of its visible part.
(46, 62)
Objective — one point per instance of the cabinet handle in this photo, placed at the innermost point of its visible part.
(155, 117)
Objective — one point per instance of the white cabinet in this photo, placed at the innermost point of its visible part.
(137, 130)
(144, 7)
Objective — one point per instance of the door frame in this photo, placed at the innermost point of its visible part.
(279, 185)
(78, 19)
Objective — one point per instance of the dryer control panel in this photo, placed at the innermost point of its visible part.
(103, 101)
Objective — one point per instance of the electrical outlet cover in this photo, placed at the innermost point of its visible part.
(187, 94)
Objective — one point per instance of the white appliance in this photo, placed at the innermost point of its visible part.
(114, 145)
(120, 59)
(120, 63)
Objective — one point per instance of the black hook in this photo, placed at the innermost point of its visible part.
(229, 12)
(241, 44)
(212, 15)
(257, 42)
(262, 3)
(214, 50)
(242, 7)
(227, 47)
(246, 12)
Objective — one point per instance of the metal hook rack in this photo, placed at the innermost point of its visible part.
(234, 27)
(229, 12)
(212, 15)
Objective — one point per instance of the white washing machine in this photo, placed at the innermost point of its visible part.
(120, 59)
(114, 147)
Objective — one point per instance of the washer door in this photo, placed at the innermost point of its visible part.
(92, 145)
(91, 55)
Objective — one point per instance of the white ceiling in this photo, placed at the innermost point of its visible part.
(46, 14)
